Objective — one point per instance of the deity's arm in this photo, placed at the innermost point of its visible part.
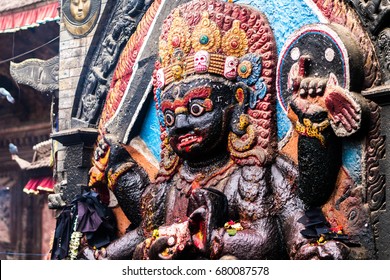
(290, 211)
(289, 207)
(130, 184)
(124, 247)
(150, 214)
(322, 113)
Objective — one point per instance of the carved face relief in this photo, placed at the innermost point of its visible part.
(201, 61)
(230, 70)
(79, 9)
(196, 115)
(177, 72)
(89, 102)
(80, 16)
(160, 77)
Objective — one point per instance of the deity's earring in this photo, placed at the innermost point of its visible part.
(242, 138)
(169, 159)
(241, 94)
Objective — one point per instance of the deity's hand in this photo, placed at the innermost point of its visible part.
(164, 248)
(207, 211)
(313, 95)
(108, 153)
(168, 242)
(331, 250)
(101, 157)
(321, 111)
(110, 145)
(344, 111)
(88, 253)
(308, 96)
(91, 254)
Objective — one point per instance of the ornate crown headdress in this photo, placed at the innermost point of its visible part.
(206, 48)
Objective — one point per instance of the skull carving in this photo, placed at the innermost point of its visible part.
(230, 70)
(201, 61)
(160, 77)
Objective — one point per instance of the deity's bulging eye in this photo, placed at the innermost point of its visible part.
(196, 109)
(169, 118)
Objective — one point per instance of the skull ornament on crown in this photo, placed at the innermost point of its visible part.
(201, 61)
(160, 78)
(230, 71)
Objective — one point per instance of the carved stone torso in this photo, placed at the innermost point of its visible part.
(224, 181)
(253, 200)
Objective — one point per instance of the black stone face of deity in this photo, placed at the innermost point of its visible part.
(197, 114)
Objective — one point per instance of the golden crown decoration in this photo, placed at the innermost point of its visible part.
(205, 50)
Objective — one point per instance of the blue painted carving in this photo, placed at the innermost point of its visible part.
(285, 17)
(150, 131)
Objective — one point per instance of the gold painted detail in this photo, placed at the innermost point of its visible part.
(169, 159)
(234, 42)
(312, 129)
(206, 35)
(179, 35)
(177, 50)
(80, 30)
(112, 177)
(245, 142)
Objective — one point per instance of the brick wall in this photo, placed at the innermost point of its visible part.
(72, 57)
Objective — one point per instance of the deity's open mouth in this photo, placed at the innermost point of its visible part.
(187, 140)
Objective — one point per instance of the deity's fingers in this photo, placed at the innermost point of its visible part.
(349, 117)
(342, 108)
(304, 87)
(321, 87)
(345, 122)
(158, 249)
(352, 111)
(313, 87)
(332, 250)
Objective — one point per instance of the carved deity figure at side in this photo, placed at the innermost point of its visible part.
(222, 189)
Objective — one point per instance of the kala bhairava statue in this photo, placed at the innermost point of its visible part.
(223, 189)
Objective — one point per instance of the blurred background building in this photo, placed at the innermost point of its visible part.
(29, 37)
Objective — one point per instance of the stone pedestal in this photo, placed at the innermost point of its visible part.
(78, 144)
